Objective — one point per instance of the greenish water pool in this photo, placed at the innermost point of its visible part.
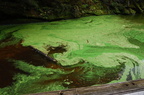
(89, 51)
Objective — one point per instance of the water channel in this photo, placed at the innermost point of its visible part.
(58, 55)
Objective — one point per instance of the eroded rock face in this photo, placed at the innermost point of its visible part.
(63, 9)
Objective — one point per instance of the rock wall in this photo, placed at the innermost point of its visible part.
(63, 9)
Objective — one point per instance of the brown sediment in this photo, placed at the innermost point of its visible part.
(7, 72)
(17, 52)
(32, 56)
(77, 79)
(8, 36)
(20, 52)
(27, 54)
(59, 49)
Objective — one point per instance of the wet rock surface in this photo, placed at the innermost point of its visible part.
(64, 9)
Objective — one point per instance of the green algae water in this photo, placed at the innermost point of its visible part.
(88, 51)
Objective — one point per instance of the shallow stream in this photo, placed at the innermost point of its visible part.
(50, 56)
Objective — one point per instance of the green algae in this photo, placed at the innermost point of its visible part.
(12, 42)
(6, 37)
(30, 83)
(75, 34)
(106, 45)
(92, 72)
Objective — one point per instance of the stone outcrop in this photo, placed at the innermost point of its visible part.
(63, 9)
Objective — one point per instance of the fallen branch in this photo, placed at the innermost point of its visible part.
(44, 55)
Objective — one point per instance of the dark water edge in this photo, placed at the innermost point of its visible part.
(133, 18)
(138, 18)
(19, 21)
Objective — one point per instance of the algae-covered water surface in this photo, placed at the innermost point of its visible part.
(50, 56)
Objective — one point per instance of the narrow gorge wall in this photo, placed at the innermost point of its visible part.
(63, 9)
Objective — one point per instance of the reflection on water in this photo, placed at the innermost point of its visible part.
(139, 18)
